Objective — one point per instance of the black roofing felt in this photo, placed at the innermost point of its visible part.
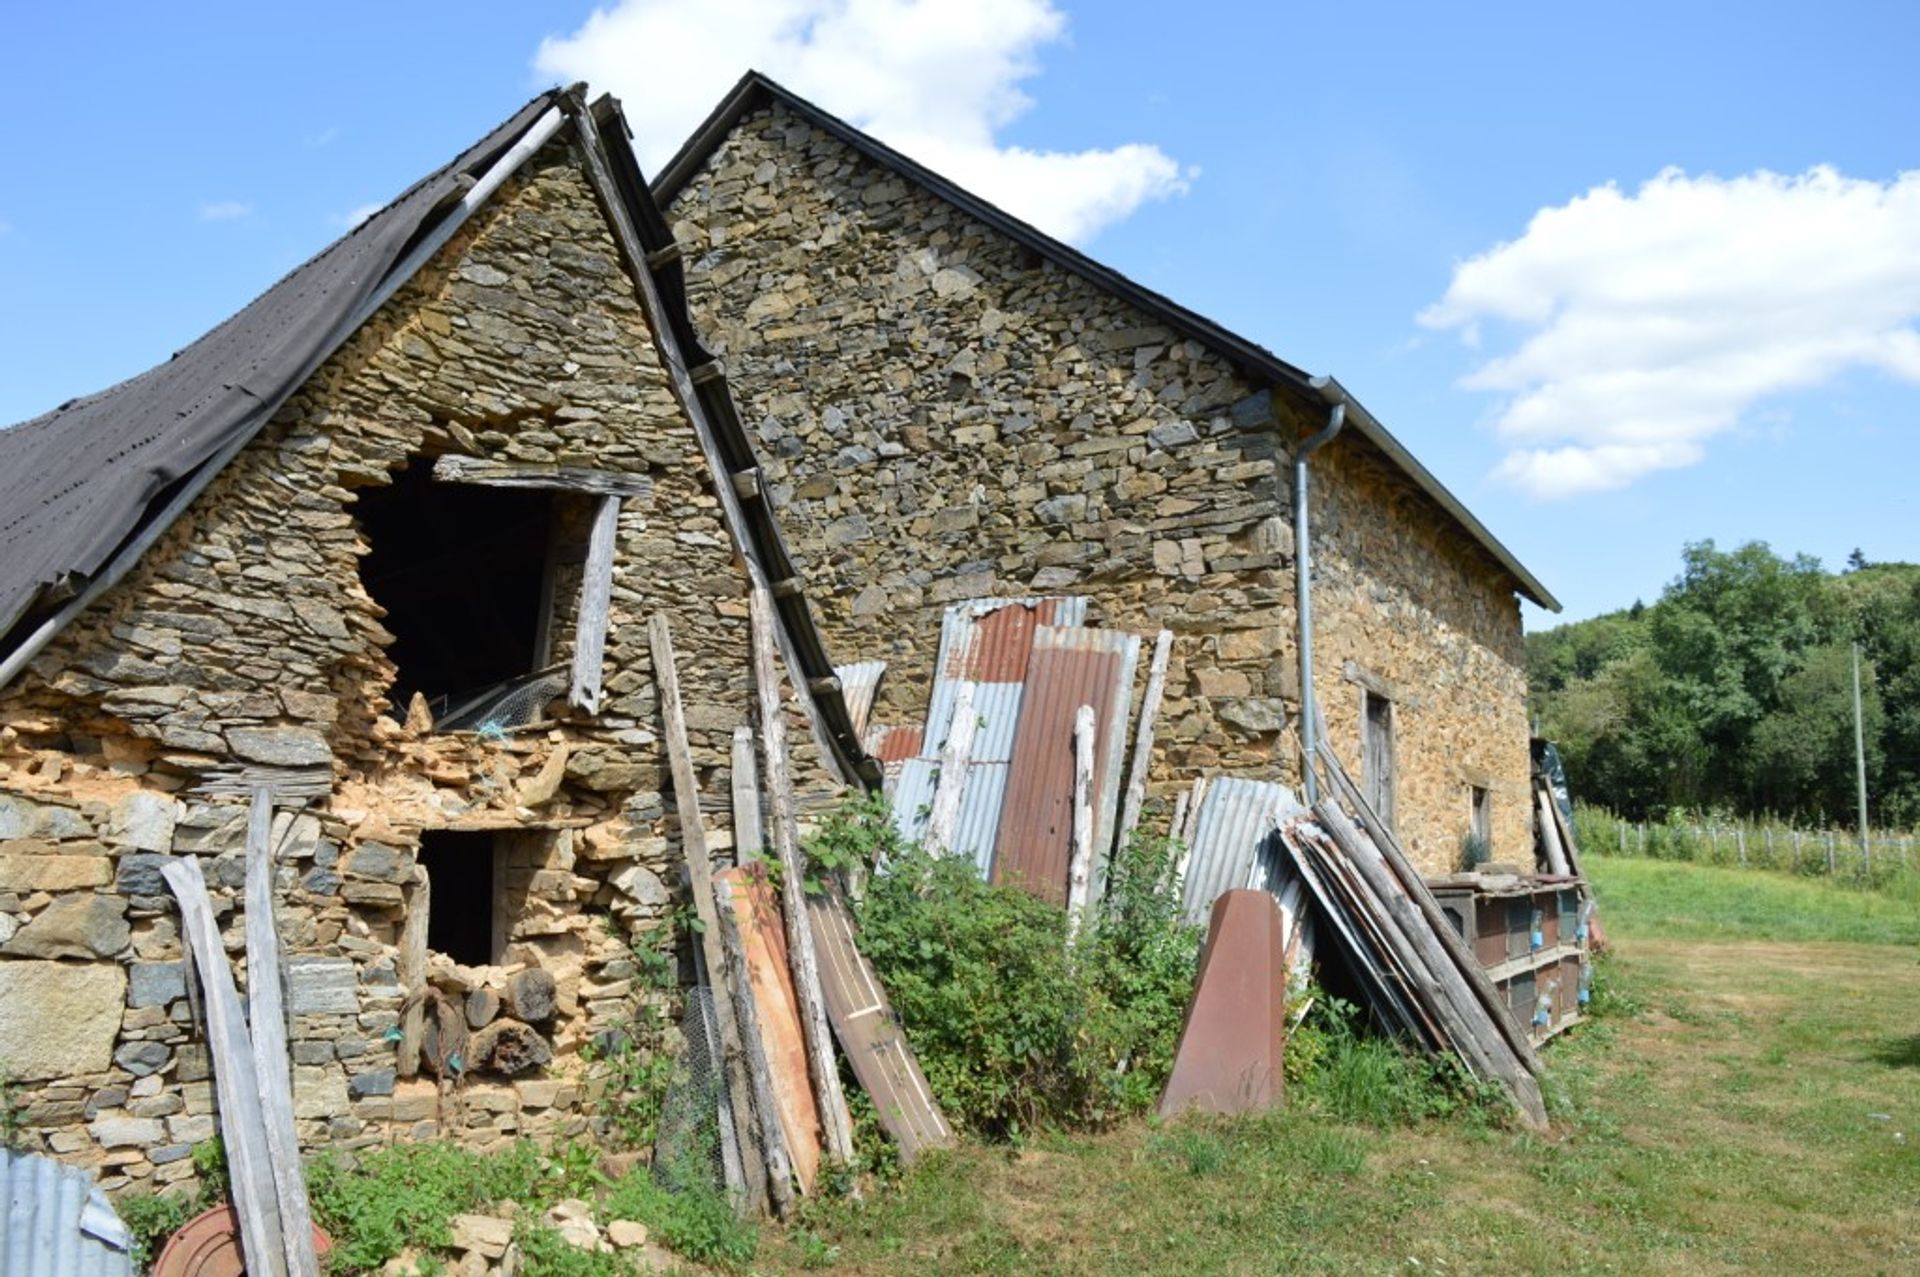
(78, 481)
(755, 91)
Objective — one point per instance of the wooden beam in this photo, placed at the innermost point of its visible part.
(523, 474)
(766, 1107)
(955, 755)
(702, 374)
(748, 842)
(596, 597)
(237, 1093)
(410, 969)
(788, 587)
(1143, 743)
(836, 1123)
(746, 483)
(693, 845)
(1080, 868)
(664, 256)
(272, 1066)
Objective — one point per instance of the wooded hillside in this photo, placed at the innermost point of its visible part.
(1734, 690)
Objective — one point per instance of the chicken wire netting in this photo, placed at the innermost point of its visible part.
(688, 1149)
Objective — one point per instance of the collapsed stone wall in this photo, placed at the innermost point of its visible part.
(246, 639)
(944, 415)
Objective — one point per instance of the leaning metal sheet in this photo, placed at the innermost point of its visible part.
(1232, 841)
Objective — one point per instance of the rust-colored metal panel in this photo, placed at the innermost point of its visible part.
(763, 939)
(870, 1034)
(1234, 1040)
(1069, 668)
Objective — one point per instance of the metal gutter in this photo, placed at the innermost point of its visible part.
(1303, 577)
(1260, 365)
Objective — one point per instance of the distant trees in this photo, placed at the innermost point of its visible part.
(1734, 690)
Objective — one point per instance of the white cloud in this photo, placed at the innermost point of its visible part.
(1648, 323)
(225, 210)
(933, 78)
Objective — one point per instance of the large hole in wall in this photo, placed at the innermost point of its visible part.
(463, 876)
(466, 577)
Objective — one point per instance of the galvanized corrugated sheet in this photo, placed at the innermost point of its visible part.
(858, 684)
(57, 1222)
(985, 642)
(1069, 668)
(1233, 841)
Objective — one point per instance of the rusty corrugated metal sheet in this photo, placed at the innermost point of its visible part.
(985, 642)
(1234, 841)
(858, 683)
(892, 745)
(57, 1222)
(870, 1033)
(1069, 668)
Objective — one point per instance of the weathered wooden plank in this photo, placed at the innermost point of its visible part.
(521, 474)
(242, 1128)
(1142, 761)
(1080, 867)
(693, 845)
(767, 1127)
(272, 1065)
(1549, 831)
(411, 970)
(596, 594)
(870, 1034)
(836, 1123)
(955, 754)
(749, 844)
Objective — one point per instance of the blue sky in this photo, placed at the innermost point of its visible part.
(1718, 354)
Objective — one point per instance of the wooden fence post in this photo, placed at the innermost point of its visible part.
(1830, 852)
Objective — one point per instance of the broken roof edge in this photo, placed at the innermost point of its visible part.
(755, 89)
(600, 125)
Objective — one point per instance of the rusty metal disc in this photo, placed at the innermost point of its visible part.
(208, 1245)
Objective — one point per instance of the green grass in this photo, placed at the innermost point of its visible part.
(1702, 902)
(1750, 1104)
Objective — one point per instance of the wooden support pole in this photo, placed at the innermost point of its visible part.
(596, 597)
(772, 1137)
(1137, 770)
(1549, 831)
(249, 1168)
(955, 755)
(836, 1123)
(272, 1066)
(693, 843)
(411, 970)
(748, 843)
(1080, 868)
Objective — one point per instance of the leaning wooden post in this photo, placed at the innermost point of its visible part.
(1143, 743)
(773, 1136)
(954, 757)
(693, 843)
(236, 1092)
(748, 843)
(836, 1123)
(1080, 869)
(272, 1068)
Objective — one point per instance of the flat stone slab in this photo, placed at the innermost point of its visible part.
(61, 1017)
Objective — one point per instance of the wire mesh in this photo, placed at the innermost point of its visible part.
(687, 1150)
(514, 704)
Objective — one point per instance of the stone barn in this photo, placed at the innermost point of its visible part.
(952, 404)
(386, 544)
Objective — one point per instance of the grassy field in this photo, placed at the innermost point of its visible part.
(1751, 1104)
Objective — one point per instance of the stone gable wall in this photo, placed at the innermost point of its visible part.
(246, 636)
(942, 415)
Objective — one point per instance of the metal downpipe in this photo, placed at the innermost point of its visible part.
(1303, 577)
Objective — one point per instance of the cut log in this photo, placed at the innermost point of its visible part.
(1142, 762)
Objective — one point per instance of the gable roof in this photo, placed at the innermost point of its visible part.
(756, 91)
(86, 489)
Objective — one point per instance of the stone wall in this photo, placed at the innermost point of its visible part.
(943, 414)
(246, 637)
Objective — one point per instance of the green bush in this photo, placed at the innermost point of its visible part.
(1014, 1027)
(696, 1222)
(152, 1218)
(1337, 1068)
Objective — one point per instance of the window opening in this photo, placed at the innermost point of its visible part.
(463, 875)
(1376, 753)
(465, 575)
(1481, 827)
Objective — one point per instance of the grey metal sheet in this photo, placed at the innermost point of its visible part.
(57, 1223)
(858, 684)
(985, 642)
(1233, 841)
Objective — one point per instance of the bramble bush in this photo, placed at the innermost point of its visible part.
(1016, 1027)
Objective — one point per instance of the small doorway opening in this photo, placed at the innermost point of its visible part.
(463, 880)
(465, 574)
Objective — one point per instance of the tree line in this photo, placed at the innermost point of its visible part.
(1734, 691)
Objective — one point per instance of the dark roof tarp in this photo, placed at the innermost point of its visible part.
(77, 482)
